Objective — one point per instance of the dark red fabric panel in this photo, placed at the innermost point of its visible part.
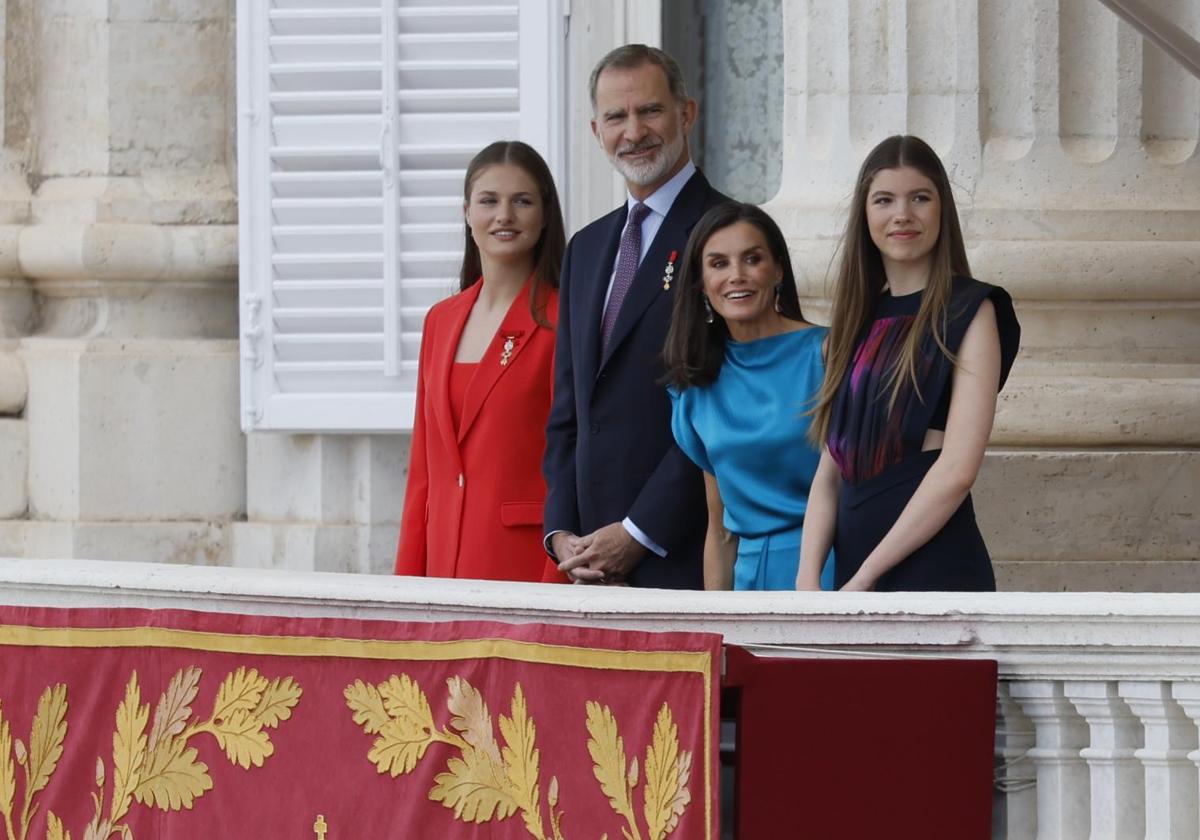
(863, 749)
(318, 762)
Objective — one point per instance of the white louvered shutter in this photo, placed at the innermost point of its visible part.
(358, 118)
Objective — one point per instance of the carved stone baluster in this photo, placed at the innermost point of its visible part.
(1117, 778)
(1171, 780)
(1015, 813)
(1063, 801)
(1188, 696)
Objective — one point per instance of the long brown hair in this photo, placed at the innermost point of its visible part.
(861, 278)
(551, 245)
(695, 348)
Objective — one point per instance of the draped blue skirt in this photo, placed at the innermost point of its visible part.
(772, 561)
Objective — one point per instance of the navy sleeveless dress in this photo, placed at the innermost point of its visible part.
(879, 452)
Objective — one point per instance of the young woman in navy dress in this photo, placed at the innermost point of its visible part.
(917, 354)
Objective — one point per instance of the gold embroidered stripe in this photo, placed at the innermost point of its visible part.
(416, 650)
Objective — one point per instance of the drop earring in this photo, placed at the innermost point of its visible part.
(778, 291)
(708, 311)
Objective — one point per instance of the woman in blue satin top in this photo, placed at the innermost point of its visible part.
(743, 367)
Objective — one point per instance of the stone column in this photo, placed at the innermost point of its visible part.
(130, 249)
(1073, 149)
(16, 298)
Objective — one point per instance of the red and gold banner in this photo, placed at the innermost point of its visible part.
(119, 723)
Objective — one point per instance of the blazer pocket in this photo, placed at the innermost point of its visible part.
(521, 513)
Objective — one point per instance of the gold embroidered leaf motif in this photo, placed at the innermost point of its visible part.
(277, 702)
(663, 804)
(469, 789)
(399, 747)
(98, 830)
(174, 707)
(177, 782)
(241, 736)
(8, 772)
(683, 794)
(471, 717)
(607, 749)
(367, 704)
(403, 739)
(404, 700)
(241, 690)
(55, 829)
(129, 748)
(46, 740)
(521, 761)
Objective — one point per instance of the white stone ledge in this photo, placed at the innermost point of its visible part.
(1032, 635)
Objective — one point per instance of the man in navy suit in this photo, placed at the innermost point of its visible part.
(624, 505)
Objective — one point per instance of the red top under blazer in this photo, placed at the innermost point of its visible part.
(473, 507)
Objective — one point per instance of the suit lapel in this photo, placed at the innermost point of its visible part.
(647, 283)
(518, 326)
(609, 239)
(458, 309)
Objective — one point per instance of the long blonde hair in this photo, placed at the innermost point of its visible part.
(861, 278)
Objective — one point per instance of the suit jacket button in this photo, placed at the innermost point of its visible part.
(460, 480)
(595, 428)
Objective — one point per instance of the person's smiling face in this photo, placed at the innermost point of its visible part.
(904, 214)
(640, 125)
(739, 277)
(505, 213)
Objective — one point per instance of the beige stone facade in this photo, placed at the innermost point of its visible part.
(1073, 144)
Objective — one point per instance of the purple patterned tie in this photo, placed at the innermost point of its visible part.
(628, 257)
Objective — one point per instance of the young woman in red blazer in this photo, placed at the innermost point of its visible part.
(473, 507)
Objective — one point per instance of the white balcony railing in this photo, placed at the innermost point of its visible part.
(1099, 702)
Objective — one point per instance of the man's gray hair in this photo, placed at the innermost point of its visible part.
(635, 55)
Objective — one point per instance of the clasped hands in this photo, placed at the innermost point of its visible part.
(607, 555)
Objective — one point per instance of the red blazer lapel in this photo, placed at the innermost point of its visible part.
(456, 311)
(517, 327)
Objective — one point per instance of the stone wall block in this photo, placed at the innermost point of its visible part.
(161, 438)
(139, 431)
(313, 547)
(1066, 508)
(53, 413)
(71, 109)
(335, 479)
(1098, 576)
(167, 99)
(174, 11)
(1071, 411)
(14, 464)
(13, 385)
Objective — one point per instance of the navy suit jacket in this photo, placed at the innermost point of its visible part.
(609, 448)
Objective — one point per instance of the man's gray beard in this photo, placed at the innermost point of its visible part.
(651, 171)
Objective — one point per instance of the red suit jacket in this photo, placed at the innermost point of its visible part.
(473, 507)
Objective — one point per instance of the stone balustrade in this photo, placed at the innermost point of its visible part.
(1098, 707)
